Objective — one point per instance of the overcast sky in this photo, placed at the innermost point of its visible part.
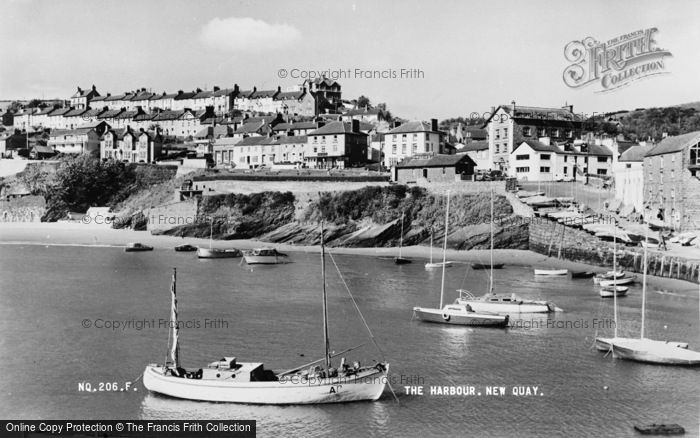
(473, 55)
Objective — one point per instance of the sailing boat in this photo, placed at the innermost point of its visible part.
(643, 349)
(227, 380)
(431, 264)
(216, 253)
(491, 302)
(458, 314)
(401, 260)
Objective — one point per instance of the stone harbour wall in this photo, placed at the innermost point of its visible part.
(556, 240)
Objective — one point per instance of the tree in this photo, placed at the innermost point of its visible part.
(363, 102)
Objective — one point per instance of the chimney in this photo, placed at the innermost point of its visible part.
(94, 88)
(179, 92)
(216, 88)
(355, 126)
(255, 89)
(79, 90)
(434, 125)
(279, 89)
(320, 124)
(236, 90)
(199, 90)
(396, 124)
(512, 106)
(493, 110)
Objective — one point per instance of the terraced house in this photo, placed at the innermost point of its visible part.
(539, 160)
(84, 139)
(336, 145)
(412, 138)
(672, 181)
(132, 146)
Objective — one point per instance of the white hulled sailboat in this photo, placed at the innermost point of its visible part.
(227, 380)
(643, 349)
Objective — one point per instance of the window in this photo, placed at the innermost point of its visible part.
(544, 156)
(602, 159)
(522, 169)
(628, 166)
(602, 171)
(415, 147)
(541, 132)
(505, 132)
(527, 131)
(555, 133)
(695, 155)
(544, 169)
(566, 170)
(403, 148)
(393, 148)
(498, 134)
(566, 158)
(522, 157)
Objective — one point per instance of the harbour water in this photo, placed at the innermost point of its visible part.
(71, 316)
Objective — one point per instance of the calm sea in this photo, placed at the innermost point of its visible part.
(273, 314)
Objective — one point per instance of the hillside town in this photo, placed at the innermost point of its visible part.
(311, 126)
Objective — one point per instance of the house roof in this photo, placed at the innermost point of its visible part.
(635, 153)
(413, 126)
(475, 132)
(75, 112)
(436, 161)
(227, 141)
(334, 128)
(144, 116)
(362, 111)
(255, 140)
(170, 115)
(76, 131)
(597, 149)
(291, 139)
(92, 113)
(143, 95)
(45, 111)
(475, 146)
(43, 149)
(110, 114)
(676, 143)
(185, 95)
(249, 127)
(262, 94)
(538, 113)
(290, 95)
(60, 112)
(539, 147)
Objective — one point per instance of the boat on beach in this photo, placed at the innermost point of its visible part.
(608, 276)
(136, 247)
(551, 272)
(265, 256)
(228, 380)
(185, 248)
(660, 429)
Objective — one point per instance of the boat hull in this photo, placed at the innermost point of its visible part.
(616, 282)
(437, 316)
(265, 260)
(402, 261)
(479, 266)
(552, 272)
(368, 387)
(484, 306)
(437, 265)
(216, 253)
(649, 351)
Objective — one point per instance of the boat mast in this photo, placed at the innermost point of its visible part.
(175, 349)
(615, 274)
(401, 237)
(431, 245)
(444, 249)
(211, 230)
(491, 279)
(326, 342)
(644, 277)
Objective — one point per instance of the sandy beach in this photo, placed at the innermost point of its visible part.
(78, 234)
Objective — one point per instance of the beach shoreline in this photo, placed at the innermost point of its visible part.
(78, 234)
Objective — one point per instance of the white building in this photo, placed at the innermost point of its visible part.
(411, 138)
(629, 176)
(538, 160)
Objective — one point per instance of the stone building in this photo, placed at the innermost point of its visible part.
(672, 181)
(439, 168)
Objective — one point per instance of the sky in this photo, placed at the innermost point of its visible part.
(471, 55)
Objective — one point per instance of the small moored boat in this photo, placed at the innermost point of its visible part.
(551, 272)
(503, 304)
(480, 266)
(618, 281)
(660, 429)
(582, 274)
(460, 314)
(185, 248)
(218, 253)
(610, 291)
(264, 256)
(135, 247)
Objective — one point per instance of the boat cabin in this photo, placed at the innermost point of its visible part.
(228, 368)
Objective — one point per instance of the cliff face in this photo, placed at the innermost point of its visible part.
(369, 217)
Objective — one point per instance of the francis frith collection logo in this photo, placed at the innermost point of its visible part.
(615, 63)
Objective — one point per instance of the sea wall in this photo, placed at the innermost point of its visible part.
(556, 240)
(24, 209)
